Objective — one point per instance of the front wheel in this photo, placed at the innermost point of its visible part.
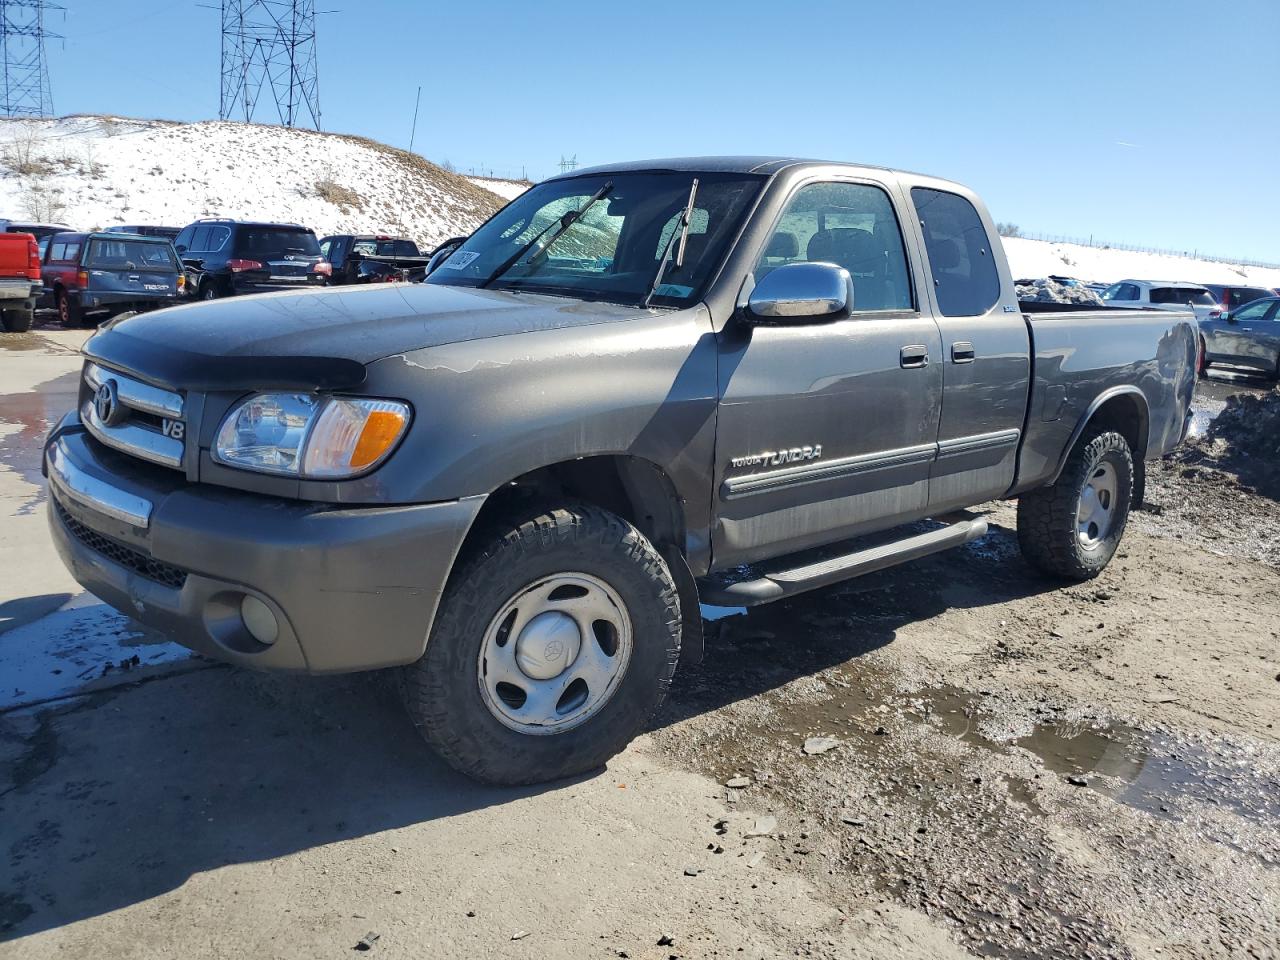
(552, 648)
(1072, 528)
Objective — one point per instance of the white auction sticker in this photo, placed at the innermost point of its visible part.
(460, 259)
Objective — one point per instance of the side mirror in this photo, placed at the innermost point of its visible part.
(802, 293)
(1229, 317)
(181, 248)
(441, 253)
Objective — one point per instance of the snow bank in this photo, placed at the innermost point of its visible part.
(98, 171)
(1039, 258)
(507, 189)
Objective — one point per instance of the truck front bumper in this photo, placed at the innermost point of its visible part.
(348, 588)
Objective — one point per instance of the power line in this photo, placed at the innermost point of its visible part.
(269, 54)
(26, 74)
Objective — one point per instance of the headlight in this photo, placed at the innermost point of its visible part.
(300, 435)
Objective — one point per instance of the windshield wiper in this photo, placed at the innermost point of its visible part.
(685, 218)
(565, 222)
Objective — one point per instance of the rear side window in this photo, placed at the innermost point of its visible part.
(849, 224)
(64, 252)
(964, 269)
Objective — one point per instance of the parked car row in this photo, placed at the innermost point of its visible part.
(89, 276)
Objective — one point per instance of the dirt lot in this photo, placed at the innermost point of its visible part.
(1012, 768)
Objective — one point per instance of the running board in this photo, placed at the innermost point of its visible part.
(787, 582)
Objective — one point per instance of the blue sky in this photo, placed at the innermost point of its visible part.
(1142, 121)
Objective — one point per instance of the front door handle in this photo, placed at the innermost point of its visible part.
(915, 355)
(962, 352)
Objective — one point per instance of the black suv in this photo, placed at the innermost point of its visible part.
(227, 257)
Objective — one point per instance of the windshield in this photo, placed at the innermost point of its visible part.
(614, 250)
(275, 243)
(130, 255)
(1196, 295)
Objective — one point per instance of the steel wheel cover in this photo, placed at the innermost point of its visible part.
(555, 653)
(1096, 512)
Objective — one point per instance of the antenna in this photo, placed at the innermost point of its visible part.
(26, 74)
(269, 48)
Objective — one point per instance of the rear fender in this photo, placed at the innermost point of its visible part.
(1125, 408)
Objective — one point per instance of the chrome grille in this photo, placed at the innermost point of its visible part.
(138, 427)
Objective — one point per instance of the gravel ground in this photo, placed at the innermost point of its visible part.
(949, 759)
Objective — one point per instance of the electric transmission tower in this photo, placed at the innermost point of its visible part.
(26, 74)
(269, 59)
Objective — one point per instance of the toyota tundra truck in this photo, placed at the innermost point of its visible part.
(635, 389)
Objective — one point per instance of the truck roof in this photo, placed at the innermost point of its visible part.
(763, 165)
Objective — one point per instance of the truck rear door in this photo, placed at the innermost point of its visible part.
(985, 360)
(828, 430)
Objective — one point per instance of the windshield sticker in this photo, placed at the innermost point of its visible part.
(673, 290)
(460, 259)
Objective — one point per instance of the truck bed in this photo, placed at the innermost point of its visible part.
(1082, 356)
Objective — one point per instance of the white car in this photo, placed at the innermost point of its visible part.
(1163, 295)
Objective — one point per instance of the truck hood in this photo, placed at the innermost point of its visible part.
(323, 338)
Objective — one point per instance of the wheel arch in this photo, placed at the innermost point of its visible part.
(634, 488)
(1123, 409)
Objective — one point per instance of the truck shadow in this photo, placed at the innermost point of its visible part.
(114, 799)
(772, 645)
(118, 798)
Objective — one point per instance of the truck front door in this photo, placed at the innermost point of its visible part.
(985, 360)
(828, 430)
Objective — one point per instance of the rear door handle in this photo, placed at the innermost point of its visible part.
(962, 352)
(915, 355)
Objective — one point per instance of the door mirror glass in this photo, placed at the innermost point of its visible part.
(802, 293)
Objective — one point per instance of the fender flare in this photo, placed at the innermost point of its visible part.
(1098, 402)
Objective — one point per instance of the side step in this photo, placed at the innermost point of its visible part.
(774, 584)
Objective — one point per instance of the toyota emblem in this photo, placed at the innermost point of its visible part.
(106, 403)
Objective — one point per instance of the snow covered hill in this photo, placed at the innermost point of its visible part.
(93, 172)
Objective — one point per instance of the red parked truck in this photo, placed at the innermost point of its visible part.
(19, 281)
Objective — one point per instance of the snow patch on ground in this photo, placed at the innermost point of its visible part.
(507, 189)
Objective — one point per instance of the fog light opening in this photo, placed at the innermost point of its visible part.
(259, 620)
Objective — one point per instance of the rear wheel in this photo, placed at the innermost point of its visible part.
(552, 648)
(1073, 527)
(68, 312)
(16, 321)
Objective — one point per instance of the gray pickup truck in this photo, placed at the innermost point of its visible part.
(635, 388)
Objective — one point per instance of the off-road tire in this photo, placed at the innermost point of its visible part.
(442, 690)
(70, 314)
(1047, 530)
(16, 321)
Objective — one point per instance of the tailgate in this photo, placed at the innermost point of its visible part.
(147, 283)
(14, 254)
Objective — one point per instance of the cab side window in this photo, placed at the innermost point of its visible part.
(1252, 311)
(960, 257)
(852, 225)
